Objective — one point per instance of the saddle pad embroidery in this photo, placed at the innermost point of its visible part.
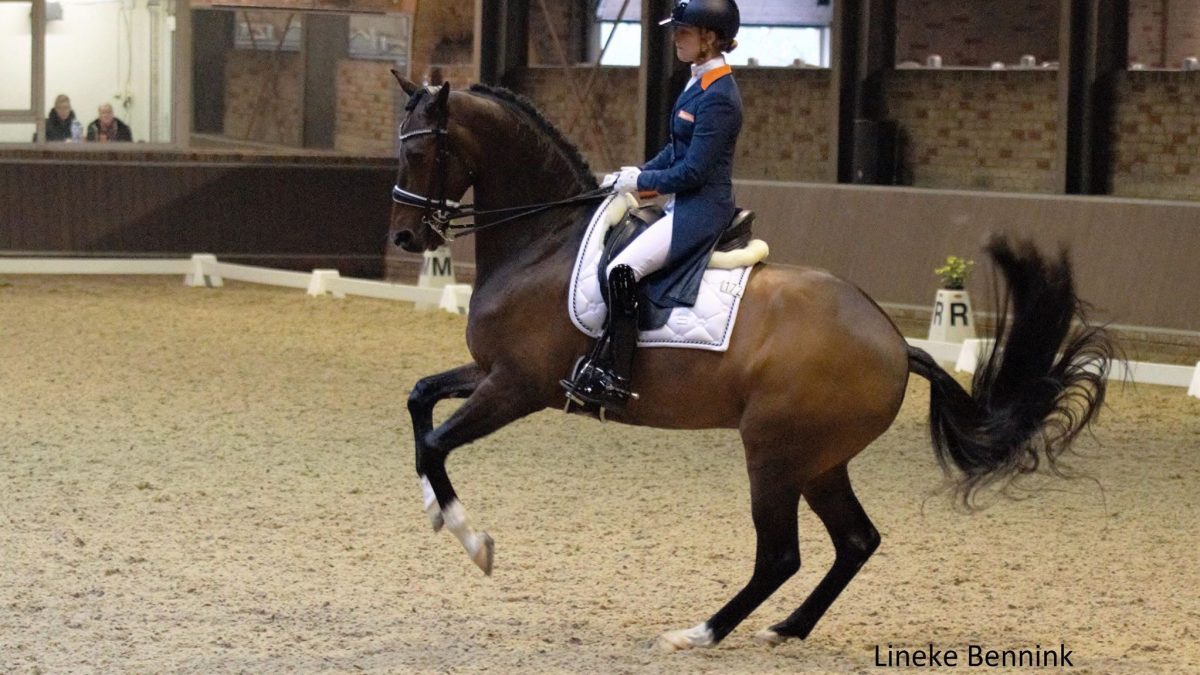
(707, 325)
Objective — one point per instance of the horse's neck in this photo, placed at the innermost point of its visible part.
(524, 167)
(539, 239)
(513, 249)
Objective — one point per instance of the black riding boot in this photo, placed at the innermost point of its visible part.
(603, 379)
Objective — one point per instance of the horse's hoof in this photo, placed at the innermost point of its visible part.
(687, 638)
(769, 638)
(485, 554)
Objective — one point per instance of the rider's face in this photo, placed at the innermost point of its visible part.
(689, 43)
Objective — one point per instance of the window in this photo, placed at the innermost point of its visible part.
(108, 62)
(773, 33)
(17, 120)
(298, 80)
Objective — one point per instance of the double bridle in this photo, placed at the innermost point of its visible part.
(440, 213)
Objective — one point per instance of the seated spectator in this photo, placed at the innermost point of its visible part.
(61, 124)
(108, 127)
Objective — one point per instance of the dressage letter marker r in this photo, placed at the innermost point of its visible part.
(958, 312)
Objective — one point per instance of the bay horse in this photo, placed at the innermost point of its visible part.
(814, 372)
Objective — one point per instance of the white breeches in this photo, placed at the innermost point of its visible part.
(648, 253)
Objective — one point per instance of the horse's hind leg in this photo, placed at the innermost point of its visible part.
(774, 502)
(854, 540)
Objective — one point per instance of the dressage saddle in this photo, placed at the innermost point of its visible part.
(736, 235)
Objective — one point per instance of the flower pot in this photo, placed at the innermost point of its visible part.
(952, 319)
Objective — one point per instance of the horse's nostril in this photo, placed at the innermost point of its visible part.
(402, 237)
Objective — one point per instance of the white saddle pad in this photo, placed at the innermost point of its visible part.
(707, 325)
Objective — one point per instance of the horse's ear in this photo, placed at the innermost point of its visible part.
(409, 88)
(443, 95)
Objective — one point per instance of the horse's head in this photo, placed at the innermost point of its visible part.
(435, 170)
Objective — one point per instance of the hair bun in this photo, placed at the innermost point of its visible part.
(732, 45)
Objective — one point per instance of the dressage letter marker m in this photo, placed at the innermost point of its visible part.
(437, 271)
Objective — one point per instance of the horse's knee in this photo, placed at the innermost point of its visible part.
(418, 398)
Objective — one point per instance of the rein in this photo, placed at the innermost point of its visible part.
(441, 213)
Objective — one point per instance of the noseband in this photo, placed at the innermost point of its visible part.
(440, 213)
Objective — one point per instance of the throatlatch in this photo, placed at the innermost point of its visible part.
(603, 379)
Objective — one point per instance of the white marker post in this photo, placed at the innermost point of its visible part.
(437, 271)
(952, 319)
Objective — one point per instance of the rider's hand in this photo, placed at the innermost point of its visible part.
(609, 180)
(627, 180)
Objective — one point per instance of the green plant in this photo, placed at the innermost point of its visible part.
(955, 272)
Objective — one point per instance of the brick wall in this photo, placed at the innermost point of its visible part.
(1146, 32)
(324, 5)
(443, 38)
(1183, 31)
(366, 108)
(785, 132)
(264, 92)
(614, 103)
(978, 129)
(785, 124)
(977, 32)
(1163, 32)
(1157, 127)
(567, 17)
(264, 96)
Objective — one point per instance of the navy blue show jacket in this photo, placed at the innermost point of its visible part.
(696, 166)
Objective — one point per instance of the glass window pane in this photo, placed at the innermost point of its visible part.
(771, 34)
(15, 55)
(113, 60)
(937, 34)
(17, 132)
(1164, 34)
(307, 80)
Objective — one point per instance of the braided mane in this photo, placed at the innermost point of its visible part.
(546, 132)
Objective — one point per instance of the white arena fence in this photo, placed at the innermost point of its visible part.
(204, 269)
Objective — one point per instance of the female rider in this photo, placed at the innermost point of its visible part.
(696, 168)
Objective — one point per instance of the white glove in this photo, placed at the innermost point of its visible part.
(609, 180)
(627, 180)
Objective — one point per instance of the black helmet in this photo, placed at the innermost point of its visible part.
(721, 16)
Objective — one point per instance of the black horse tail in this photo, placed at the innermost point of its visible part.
(1041, 385)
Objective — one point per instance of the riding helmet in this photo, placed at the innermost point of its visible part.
(721, 16)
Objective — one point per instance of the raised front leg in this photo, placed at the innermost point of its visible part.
(493, 403)
(428, 392)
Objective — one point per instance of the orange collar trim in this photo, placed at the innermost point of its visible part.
(711, 76)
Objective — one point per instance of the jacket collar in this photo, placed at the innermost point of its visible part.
(713, 75)
(706, 81)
